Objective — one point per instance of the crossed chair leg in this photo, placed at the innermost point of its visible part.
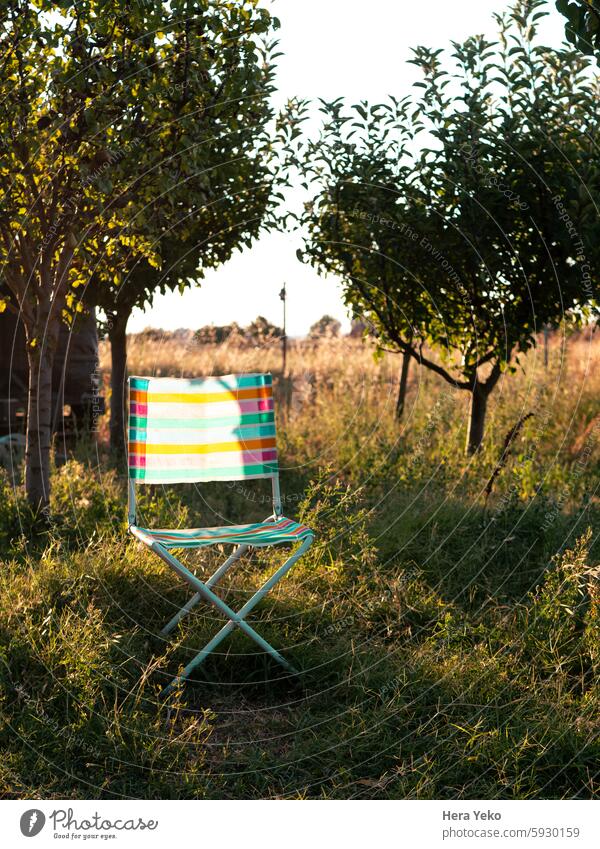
(241, 549)
(204, 591)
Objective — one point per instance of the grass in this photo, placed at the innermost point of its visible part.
(449, 646)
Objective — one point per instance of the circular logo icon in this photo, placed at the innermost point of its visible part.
(32, 822)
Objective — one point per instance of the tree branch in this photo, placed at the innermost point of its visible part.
(493, 378)
(440, 370)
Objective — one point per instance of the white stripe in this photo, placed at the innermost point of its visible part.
(226, 383)
(158, 409)
(224, 460)
(203, 475)
(170, 436)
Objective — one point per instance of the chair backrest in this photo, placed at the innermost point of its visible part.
(203, 429)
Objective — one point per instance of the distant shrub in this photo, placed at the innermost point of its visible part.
(216, 335)
(326, 327)
(261, 330)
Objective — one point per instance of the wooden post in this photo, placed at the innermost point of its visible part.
(282, 295)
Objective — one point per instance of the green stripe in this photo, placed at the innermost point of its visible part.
(236, 472)
(270, 539)
(193, 533)
(223, 421)
(243, 381)
(260, 432)
(210, 536)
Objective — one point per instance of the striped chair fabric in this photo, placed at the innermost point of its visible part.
(201, 429)
(263, 533)
(209, 429)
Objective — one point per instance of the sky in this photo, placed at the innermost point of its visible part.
(331, 48)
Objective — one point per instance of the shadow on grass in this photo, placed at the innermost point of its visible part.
(472, 556)
(415, 680)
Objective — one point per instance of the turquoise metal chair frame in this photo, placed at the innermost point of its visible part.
(175, 436)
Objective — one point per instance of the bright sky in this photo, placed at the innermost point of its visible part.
(330, 48)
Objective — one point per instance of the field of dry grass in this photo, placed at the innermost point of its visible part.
(335, 372)
(448, 641)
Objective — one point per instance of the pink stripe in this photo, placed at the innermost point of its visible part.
(231, 530)
(137, 461)
(263, 455)
(259, 405)
(247, 458)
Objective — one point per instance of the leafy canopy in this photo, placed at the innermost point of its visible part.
(463, 218)
(109, 111)
(582, 27)
(220, 165)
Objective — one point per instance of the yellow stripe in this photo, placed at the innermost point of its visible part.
(213, 448)
(202, 397)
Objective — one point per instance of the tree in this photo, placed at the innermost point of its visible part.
(217, 335)
(403, 385)
(199, 230)
(261, 330)
(470, 244)
(326, 327)
(582, 28)
(101, 101)
(223, 192)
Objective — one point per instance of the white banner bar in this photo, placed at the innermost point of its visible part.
(307, 824)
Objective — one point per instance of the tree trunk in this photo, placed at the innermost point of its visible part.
(403, 384)
(39, 424)
(479, 396)
(117, 335)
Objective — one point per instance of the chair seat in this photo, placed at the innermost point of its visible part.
(263, 533)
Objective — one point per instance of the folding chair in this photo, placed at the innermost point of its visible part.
(209, 429)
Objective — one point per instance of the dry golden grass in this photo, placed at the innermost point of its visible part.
(344, 374)
(163, 355)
